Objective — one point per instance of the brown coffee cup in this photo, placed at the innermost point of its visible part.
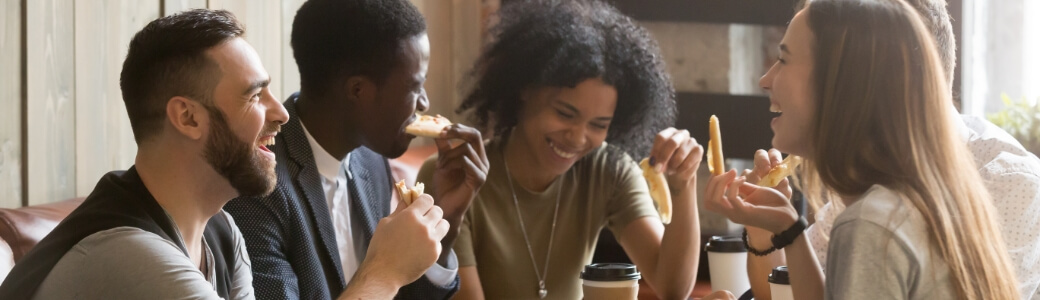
(610, 281)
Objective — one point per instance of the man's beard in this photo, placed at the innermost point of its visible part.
(238, 161)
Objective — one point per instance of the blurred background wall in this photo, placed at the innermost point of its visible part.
(63, 125)
(62, 120)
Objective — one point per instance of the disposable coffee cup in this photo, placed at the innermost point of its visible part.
(780, 284)
(610, 281)
(727, 264)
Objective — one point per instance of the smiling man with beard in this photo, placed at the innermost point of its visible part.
(202, 115)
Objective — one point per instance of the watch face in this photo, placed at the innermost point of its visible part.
(787, 237)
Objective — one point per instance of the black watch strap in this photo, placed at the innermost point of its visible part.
(787, 237)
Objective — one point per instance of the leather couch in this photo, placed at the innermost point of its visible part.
(21, 228)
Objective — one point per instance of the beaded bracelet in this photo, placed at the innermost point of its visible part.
(753, 250)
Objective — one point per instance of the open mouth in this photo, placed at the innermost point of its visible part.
(560, 151)
(775, 109)
(409, 121)
(266, 141)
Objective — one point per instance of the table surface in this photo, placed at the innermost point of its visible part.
(700, 289)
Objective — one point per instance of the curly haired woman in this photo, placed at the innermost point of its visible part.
(573, 93)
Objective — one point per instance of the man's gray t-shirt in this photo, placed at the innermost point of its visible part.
(130, 263)
(880, 249)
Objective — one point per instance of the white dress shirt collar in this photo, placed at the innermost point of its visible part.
(347, 241)
(328, 166)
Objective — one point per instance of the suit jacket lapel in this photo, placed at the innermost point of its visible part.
(370, 203)
(308, 180)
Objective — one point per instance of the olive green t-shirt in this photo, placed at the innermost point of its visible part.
(596, 192)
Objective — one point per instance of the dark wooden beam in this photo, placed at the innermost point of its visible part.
(762, 12)
(25, 103)
(745, 121)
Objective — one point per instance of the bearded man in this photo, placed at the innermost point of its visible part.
(202, 116)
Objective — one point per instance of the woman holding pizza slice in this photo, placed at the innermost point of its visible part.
(574, 94)
(865, 103)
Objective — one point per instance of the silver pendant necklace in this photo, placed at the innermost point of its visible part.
(542, 291)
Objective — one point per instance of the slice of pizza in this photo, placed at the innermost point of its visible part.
(408, 195)
(780, 171)
(428, 126)
(658, 190)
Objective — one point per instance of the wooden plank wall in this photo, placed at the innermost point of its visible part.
(62, 119)
(290, 78)
(439, 78)
(173, 6)
(466, 42)
(11, 102)
(104, 140)
(51, 107)
(455, 33)
(263, 21)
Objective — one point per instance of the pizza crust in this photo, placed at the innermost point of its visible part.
(408, 195)
(780, 171)
(658, 190)
(428, 126)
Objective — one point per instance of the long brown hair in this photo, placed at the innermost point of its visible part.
(883, 118)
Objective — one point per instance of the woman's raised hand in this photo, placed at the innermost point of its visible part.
(678, 155)
(749, 204)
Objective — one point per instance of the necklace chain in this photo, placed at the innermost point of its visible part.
(516, 203)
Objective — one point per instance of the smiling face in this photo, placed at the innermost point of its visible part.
(791, 90)
(559, 125)
(397, 100)
(244, 118)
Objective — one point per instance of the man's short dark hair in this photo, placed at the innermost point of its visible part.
(335, 39)
(167, 59)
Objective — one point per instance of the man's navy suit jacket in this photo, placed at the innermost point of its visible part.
(289, 233)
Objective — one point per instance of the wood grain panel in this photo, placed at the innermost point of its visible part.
(290, 77)
(11, 103)
(50, 106)
(263, 22)
(440, 75)
(696, 54)
(467, 19)
(104, 139)
(173, 6)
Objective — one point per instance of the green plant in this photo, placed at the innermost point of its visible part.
(1021, 119)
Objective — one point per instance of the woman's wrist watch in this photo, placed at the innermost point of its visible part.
(780, 240)
(787, 237)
